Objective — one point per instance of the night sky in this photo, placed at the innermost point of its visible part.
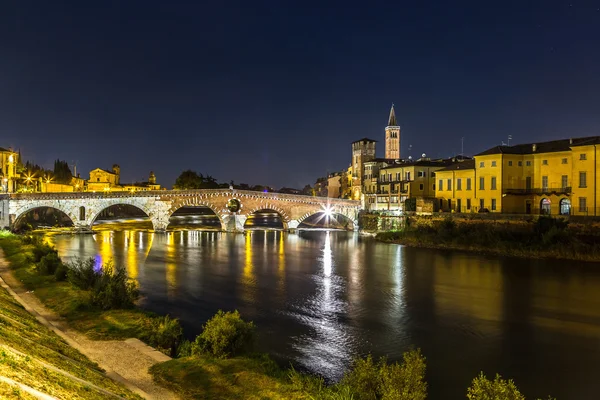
(274, 92)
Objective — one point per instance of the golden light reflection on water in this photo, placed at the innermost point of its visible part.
(171, 264)
(281, 265)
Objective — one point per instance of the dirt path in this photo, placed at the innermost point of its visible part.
(125, 361)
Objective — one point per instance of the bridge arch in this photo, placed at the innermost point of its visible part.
(20, 215)
(94, 209)
(342, 220)
(196, 201)
(285, 219)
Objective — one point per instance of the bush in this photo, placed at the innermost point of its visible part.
(49, 263)
(306, 382)
(379, 380)
(184, 349)
(224, 335)
(83, 273)
(41, 250)
(113, 289)
(499, 389)
(32, 239)
(364, 378)
(61, 272)
(405, 381)
(165, 333)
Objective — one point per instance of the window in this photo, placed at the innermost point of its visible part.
(493, 183)
(421, 187)
(468, 183)
(449, 184)
(441, 185)
(582, 179)
(390, 177)
(528, 182)
(510, 163)
(520, 163)
(544, 182)
(481, 184)
(583, 156)
(397, 176)
(481, 164)
(408, 176)
(481, 204)
(97, 179)
(421, 174)
(493, 204)
(432, 174)
(528, 163)
(458, 205)
(468, 204)
(582, 204)
(459, 184)
(493, 163)
(564, 181)
(544, 162)
(563, 161)
(433, 186)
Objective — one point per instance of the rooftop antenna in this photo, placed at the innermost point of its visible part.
(509, 139)
(74, 168)
(462, 146)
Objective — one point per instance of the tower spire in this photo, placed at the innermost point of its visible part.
(392, 119)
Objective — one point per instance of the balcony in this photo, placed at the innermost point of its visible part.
(538, 191)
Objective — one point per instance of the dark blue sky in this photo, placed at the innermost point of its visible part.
(274, 92)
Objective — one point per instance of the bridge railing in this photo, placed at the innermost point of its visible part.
(169, 193)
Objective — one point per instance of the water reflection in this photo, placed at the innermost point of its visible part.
(320, 298)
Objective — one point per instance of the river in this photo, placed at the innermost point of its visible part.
(320, 298)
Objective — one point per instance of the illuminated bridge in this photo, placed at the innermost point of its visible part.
(232, 207)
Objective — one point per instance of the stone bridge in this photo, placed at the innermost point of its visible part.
(232, 207)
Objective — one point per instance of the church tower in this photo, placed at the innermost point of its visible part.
(392, 137)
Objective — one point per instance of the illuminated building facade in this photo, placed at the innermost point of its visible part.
(8, 170)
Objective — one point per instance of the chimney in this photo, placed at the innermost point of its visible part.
(534, 147)
(571, 141)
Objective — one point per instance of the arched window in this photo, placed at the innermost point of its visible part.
(565, 207)
(82, 213)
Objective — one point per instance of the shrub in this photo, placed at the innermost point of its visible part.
(61, 272)
(499, 389)
(49, 263)
(32, 239)
(364, 378)
(82, 273)
(165, 333)
(368, 380)
(405, 381)
(113, 289)
(184, 349)
(224, 335)
(307, 383)
(41, 250)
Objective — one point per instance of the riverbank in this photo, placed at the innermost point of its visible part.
(542, 238)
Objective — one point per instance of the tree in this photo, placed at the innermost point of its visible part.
(62, 172)
(188, 180)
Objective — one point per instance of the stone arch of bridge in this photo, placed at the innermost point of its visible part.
(285, 217)
(93, 213)
(23, 211)
(195, 202)
(334, 213)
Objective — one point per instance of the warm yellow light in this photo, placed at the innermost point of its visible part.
(11, 158)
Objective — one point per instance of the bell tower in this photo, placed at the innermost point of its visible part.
(392, 137)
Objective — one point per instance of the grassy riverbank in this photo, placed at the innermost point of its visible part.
(33, 355)
(544, 238)
(70, 302)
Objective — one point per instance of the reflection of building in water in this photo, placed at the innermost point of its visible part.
(171, 265)
(281, 264)
(464, 289)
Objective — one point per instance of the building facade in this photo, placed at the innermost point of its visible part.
(8, 170)
(558, 177)
(363, 150)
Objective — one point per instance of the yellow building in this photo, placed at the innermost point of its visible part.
(398, 181)
(8, 170)
(456, 187)
(555, 177)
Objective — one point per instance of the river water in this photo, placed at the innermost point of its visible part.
(320, 298)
